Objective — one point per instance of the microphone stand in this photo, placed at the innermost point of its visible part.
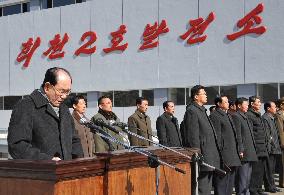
(200, 159)
(153, 160)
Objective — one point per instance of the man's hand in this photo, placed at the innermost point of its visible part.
(56, 159)
(241, 154)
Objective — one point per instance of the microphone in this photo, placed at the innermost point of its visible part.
(152, 159)
(120, 124)
(123, 125)
(101, 122)
(90, 124)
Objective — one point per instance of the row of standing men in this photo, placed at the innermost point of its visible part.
(239, 140)
(42, 128)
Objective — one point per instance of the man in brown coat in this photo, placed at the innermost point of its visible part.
(84, 133)
(280, 125)
(140, 124)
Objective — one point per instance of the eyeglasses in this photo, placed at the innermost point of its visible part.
(62, 91)
(202, 94)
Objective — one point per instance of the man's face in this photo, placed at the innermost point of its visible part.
(170, 109)
(58, 93)
(243, 107)
(272, 109)
(80, 107)
(256, 105)
(106, 105)
(143, 106)
(224, 105)
(201, 97)
(281, 106)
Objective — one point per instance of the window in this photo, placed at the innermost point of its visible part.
(281, 90)
(1, 103)
(177, 95)
(13, 9)
(268, 92)
(149, 95)
(212, 93)
(58, 3)
(229, 91)
(26, 7)
(125, 98)
(1, 10)
(11, 101)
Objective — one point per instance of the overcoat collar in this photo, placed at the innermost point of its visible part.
(202, 108)
(41, 101)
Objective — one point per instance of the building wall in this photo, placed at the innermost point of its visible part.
(217, 61)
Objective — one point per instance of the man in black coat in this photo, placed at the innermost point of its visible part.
(41, 126)
(274, 149)
(167, 126)
(246, 146)
(228, 144)
(199, 133)
(261, 141)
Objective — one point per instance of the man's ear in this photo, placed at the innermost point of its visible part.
(45, 87)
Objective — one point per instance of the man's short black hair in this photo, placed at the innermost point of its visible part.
(212, 108)
(240, 101)
(101, 98)
(139, 100)
(51, 76)
(267, 105)
(166, 104)
(75, 99)
(219, 100)
(195, 90)
(231, 103)
(252, 99)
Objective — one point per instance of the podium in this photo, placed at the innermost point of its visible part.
(114, 173)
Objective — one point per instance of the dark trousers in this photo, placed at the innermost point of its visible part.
(242, 179)
(205, 182)
(223, 185)
(281, 171)
(269, 169)
(257, 175)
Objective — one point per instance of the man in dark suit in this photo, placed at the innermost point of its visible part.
(167, 126)
(228, 143)
(199, 133)
(246, 147)
(41, 126)
(261, 142)
(274, 149)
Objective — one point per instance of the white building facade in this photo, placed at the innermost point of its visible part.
(252, 64)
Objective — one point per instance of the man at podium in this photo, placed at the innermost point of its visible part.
(41, 126)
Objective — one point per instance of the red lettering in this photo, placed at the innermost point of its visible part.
(198, 26)
(28, 49)
(56, 47)
(151, 33)
(249, 22)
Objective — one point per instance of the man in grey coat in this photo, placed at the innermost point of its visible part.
(199, 133)
(246, 147)
(228, 144)
(167, 126)
(41, 126)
